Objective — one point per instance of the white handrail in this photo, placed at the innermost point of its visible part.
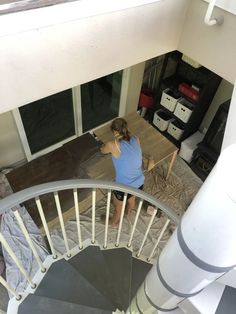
(43, 219)
(107, 217)
(20, 197)
(159, 239)
(147, 231)
(28, 239)
(16, 261)
(54, 187)
(121, 219)
(77, 217)
(58, 205)
(93, 215)
(212, 21)
(9, 288)
(135, 222)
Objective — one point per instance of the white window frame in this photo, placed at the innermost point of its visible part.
(77, 108)
(23, 137)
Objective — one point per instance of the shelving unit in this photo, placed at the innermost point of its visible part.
(176, 71)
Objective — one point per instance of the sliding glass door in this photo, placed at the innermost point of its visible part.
(100, 100)
(48, 123)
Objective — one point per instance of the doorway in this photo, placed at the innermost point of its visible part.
(50, 122)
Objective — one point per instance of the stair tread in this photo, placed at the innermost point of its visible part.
(119, 261)
(92, 265)
(39, 304)
(64, 282)
(139, 272)
(228, 301)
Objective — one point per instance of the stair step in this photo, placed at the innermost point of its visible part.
(92, 265)
(206, 301)
(139, 272)
(119, 261)
(34, 304)
(64, 282)
(227, 303)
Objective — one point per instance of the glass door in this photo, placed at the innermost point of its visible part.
(46, 124)
(100, 100)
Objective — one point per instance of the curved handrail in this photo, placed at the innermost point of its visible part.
(19, 197)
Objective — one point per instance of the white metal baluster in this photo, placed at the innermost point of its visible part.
(9, 288)
(16, 261)
(148, 228)
(28, 239)
(107, 217)
(159, 239)
(77, 217)
(43, 219)
(58, 205)
(135, 222)
(121, 219)
(93, 215)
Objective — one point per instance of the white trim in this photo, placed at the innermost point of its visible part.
(21, 130)
(76, 94)
(62, 13)
(124, 91)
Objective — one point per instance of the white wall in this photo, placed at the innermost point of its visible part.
(223, 93)
(135, 84)
(11, 150)
(212, 46)
(43, 61)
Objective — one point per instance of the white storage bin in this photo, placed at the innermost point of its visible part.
(161, 119)
(189, 145)
(184, 109)
(175, 129)
(169, 99)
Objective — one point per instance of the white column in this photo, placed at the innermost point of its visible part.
(203, 246)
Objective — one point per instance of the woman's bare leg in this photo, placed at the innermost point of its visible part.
(130, 204)
(117, 212)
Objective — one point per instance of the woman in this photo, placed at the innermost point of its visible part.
(127, 160)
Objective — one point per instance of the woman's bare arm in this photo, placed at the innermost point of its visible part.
(107, 148)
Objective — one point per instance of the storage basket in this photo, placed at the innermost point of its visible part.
(161, 119)
(169, 99)
(184, 109)
(175, 129)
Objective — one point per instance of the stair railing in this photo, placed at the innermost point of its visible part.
(35, 192)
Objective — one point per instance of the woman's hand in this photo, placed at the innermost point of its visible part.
(106, 148)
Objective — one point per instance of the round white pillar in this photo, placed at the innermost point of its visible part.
(201, 249)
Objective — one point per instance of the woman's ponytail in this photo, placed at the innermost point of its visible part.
(120, 125)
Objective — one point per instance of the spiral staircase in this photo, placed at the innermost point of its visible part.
(93, 281)
(102, 278)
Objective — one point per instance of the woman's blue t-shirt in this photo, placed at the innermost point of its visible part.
(128, 166)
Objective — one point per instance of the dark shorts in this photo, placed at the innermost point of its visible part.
(120, 195)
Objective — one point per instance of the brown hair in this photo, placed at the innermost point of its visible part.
(120, 125)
